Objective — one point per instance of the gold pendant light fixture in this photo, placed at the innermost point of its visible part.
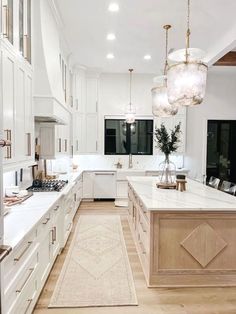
(130, 109)
(187, 76)
(160, 104)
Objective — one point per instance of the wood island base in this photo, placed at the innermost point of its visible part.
(187, 248)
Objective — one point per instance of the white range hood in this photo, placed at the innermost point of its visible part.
(49, 101)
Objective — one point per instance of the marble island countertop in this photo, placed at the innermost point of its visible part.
(196, 197)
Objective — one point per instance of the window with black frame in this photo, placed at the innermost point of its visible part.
(122, 138)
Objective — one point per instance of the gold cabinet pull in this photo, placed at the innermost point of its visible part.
(26, 279)
(54, 234)
(56, 208)
(28, 136)
(8, 147)
(16, 259)
(59, 145)
(68, 228)
(65, 145)
(25, 47)
(6, 24)
(28, 306)
(46, 221)
(5, 143)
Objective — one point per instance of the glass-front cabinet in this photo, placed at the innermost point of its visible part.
(16, 25)
(25, 28)
(7, 20)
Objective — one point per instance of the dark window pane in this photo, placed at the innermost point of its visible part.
(122, 138)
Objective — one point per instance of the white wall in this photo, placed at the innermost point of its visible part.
(219, 103)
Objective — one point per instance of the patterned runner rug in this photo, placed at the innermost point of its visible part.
(96, 271)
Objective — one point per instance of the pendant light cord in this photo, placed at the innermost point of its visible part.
(166, 27)
(130, 87)
(188, 33)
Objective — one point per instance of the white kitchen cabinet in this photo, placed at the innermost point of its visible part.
(54, 141)
(78, 131)
(8, 81)
(16, 26)
(55, 232)
(104, 185)
(18, 121)
(88, 183)
(92, 95)
(171, 122)
(85, 128)
(91, 133)
(45, 249)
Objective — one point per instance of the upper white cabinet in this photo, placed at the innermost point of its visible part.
(85, 119)
(16, 26)
(54, 141)
(171, 122)
(18, 121)
(92, 95)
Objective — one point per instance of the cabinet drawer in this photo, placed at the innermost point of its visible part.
(26, 302)
(17, 259)
(44, 225)
(21, 282)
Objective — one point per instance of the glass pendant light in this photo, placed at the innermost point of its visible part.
(130, 109)
(186, 77)
(160, 104)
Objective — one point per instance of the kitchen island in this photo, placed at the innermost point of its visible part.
(184, 239)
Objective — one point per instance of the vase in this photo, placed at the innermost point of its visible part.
(167, 171)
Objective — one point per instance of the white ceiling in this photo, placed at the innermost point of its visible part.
(138, 28)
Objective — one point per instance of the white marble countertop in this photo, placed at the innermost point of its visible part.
(196, 197)
(22, 218)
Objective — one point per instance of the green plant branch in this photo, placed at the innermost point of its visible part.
(167, 143)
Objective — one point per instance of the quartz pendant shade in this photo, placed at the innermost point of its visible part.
(160, 104)
(186, 83)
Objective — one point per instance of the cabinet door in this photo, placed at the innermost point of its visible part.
(7, 19)
(8, 84)
(29, 119)
(79, 133)
(44, 257)
(88, 178)
(20, 115)
(92, 95)
(91, 133)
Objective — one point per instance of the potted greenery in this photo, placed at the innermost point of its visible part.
(168, 144)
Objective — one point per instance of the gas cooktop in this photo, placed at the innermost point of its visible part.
(47, 185)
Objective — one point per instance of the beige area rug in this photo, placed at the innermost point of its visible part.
(96, 271)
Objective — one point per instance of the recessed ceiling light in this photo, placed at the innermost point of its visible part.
(110, 56)
(111, 36)
(113, 7)
(147, 57)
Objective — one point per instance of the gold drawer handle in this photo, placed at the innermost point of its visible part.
(27, 278)
(54, 234)
(46, 221)
(16, 259)
(28, 306)
(70, 224)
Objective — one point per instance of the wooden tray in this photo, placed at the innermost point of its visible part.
(166, 185)
(18, 200)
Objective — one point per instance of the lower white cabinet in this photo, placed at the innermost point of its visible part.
(26, 268)
(88, 183)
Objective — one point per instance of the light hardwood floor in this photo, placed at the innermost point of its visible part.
(151, 301)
